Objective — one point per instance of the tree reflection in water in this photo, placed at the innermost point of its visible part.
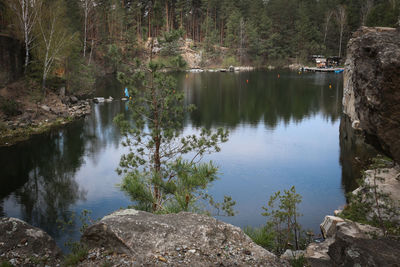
(227, 99)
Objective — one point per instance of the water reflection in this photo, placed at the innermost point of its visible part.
(232, 99)
(37, 178)
(355, 154)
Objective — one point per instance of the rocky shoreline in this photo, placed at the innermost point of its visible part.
(55, 111)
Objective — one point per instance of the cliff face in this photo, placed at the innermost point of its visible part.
(372, 87)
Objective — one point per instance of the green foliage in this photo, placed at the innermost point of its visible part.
(114, 56)
(81, 77)
(385, 14)
(282, 230)
(6, 264)
(10, 107)
(178, 62)
(230, 61)
(173, 63)
(170, 42)
(78, 251)
(298, 262)
(261, 236)
(78, 254)
(283, 215)
(157, 175)
(55, 38)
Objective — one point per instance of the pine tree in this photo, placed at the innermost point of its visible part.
(157, 175)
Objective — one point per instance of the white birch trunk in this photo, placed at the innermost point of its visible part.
(26, 12)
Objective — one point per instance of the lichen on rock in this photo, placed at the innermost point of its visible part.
(183, 239)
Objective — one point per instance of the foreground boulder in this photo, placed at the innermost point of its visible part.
(352, 244)
(372, 87)
(24, 245)
(130, 237)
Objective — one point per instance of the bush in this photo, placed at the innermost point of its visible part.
(230, 61)
(260, 236)
(78, 253)
(178, 62)
(10, 107)
(6, 264)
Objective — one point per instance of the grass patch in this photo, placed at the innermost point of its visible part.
(299, 262)
(78, 254)
(260, 236)
(6, 264)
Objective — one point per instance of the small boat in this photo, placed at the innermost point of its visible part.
(339, 71)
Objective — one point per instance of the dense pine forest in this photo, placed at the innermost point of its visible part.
(69, 37)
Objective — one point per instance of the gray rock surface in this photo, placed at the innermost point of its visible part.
(348, 250)
(292, 254)
(24, 245)
(352, 243)
(387, 183)
(372, 86)
(74, 99)
(183, 239)
(328, 226)
(317, 254)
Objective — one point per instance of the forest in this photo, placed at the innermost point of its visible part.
(68, 38)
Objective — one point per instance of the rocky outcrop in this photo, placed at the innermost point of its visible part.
(387, 184)
(372, 86)
(24, 245)
(352, 244)
(184, 239)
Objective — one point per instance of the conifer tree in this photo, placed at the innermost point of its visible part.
(163, 171)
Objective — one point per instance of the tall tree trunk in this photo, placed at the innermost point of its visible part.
(91, 52)
(166, 16)
(85, 30)
(149, 33)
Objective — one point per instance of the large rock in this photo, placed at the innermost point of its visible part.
(184, 239)
(328, 226)
(372, 86)
(349, 243)
(24, 245)
(386, 181)
(356, 250)
(317, 254)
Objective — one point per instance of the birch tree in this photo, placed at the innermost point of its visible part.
(328, 17)
(365, 10)
(55, 37)
(87, 6)
(26, 14)
(341, 19)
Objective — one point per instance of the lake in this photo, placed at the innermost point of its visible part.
(285, 129)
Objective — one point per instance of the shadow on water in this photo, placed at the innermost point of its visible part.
(355, 154)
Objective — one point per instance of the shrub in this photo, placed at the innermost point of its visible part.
(10, 107)
(260, 236)
(230, 61)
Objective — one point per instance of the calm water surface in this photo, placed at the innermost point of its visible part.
(283, 132)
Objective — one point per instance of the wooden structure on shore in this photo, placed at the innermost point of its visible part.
(337, 70)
